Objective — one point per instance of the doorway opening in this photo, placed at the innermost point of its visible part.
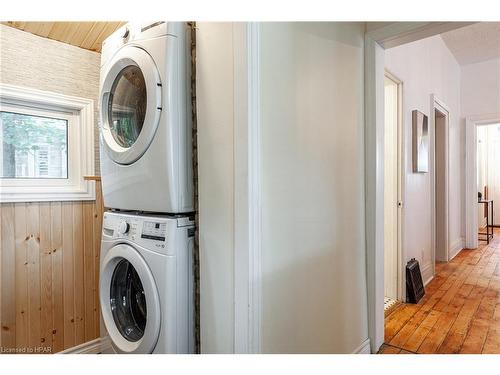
(393, 162)
(377, 41)
(482, 175)
(488, 180)
(439, 178)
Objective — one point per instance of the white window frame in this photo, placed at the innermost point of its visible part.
(79, 112)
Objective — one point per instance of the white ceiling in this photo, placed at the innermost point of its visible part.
(474, 43)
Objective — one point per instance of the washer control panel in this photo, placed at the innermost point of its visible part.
(154, 233)
(153, 230)
(121, 227)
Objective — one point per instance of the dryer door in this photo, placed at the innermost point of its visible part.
(130, 104)
(129, 301)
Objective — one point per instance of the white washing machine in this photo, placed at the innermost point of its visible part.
(146, 285)
(145, 118)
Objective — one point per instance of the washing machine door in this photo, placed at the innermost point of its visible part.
(130, 104)
(129, 301)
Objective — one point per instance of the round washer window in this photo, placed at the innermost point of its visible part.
(128, 301)
(127, 105)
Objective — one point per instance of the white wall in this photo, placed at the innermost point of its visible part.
(480, 94)
(314, 286)
(427, 67)
(313, 250)
(215, 185)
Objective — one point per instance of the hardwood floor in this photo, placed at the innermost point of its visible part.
(460, 312)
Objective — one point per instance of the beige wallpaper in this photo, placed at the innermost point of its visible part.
(32, 61)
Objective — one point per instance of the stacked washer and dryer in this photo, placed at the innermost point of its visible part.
(146, 278)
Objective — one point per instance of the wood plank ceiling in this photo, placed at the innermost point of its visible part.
(88, 35)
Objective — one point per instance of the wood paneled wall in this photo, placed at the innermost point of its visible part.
(49, 274)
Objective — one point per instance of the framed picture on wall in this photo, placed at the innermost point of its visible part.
(420, 142)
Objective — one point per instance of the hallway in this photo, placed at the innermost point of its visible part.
(460, 312)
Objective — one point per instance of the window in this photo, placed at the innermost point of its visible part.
(33, 146)
(46, 146)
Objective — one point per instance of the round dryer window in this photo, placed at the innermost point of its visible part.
(128, 301)
(127, 106)
(130, 104)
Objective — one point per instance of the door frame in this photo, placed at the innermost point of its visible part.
(401, 277)
(247, 336)
(376, 41)
(439, 106)
(471, 222)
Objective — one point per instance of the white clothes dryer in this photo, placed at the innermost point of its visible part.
(145, 118)
(146, 283)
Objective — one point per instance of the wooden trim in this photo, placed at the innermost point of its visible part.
(92, 178)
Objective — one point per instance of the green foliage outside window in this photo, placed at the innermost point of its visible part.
(26, 132)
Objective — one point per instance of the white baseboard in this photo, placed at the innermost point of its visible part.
(364, 348)
(457, 246)
(97, 346)
(427, 273)
(428, 280)
(103, 345)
